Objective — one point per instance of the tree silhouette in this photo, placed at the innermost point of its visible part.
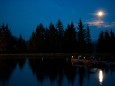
(46, 43)
(7, 40)
(70, 39)
(21, 45)
(81, 37)
(7, 66)
(112, 42)
(32, 43)
(60, 29)
(100, 43)
(53, 36)
(40, 37)
(57, 39)
(36, 42)
(107, 42)
(89, 46)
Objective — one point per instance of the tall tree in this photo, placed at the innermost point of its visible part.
(46, 41)
(7, 40)
(107, 42)
(81, 37)
(21, 45)
(37, 40)
(60, 29)
(40, 37)
(100, 43)
(88, 41)
(53, 36)
(70, 38)
(112, 42)
(32, 46)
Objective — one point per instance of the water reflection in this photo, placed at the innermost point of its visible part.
(51, 72)
(57, 70)
(21, 61)
(8, 65)
(48, 68)
(6, 68)
(101, 76)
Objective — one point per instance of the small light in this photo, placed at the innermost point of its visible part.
(72, 56)
(84, 57)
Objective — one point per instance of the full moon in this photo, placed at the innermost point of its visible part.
(100, 13)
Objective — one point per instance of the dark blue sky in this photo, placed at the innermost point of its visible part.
(24, 15)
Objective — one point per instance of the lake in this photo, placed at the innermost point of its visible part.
(43, 71)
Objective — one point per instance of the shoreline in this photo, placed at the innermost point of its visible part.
(57, 54)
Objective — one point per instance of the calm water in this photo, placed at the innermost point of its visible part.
(20, 71)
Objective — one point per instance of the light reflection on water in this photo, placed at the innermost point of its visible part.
(51, 72)
(101, 76)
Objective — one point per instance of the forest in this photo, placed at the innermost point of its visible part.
(57, 39)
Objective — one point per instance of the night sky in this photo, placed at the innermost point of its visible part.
(23, 16)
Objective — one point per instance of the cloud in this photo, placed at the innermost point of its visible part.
(110, 25)
(101, 24)
(97, 23)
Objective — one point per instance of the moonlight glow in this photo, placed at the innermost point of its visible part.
(101, 76)
(100, 13)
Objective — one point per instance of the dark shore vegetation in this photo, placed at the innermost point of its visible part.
(57, 39)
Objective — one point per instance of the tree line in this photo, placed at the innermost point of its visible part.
(57, 39)
(106, 42)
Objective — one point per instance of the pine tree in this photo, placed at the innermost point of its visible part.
(40, 38)
(32, 43)
(60, 29)
(100, 43)
(107, 42)
(7, 40)
(53, 36)
(70, 40)
(112, 42)
(81, 37)
(21, 45)
(88, 41)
